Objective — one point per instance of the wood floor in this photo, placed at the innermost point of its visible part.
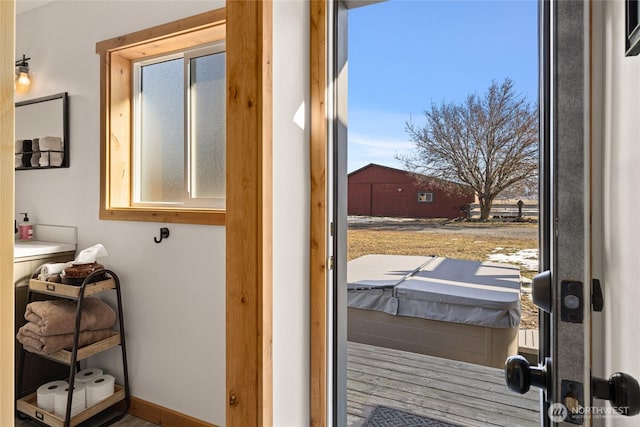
(465, 394)
(462, 393)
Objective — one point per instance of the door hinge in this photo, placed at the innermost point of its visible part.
(330, 263)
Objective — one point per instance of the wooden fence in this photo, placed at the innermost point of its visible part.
(505, 210)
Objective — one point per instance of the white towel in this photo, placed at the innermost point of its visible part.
(18, 153)
(52, 268)
(51, 159)
(54, 146)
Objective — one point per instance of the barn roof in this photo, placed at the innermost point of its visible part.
(370, 165)
(411, 175)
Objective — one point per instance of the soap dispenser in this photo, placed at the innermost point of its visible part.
(25, 228)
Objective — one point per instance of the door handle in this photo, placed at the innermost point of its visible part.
(520, 376)
(622, 390)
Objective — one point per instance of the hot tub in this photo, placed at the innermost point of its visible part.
(451, 308)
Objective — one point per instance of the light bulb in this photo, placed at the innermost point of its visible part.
(23, 79)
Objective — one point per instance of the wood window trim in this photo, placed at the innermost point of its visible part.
(116, 56)
(248, 217)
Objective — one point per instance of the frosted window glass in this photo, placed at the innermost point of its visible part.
(208, 126)
(162, 132)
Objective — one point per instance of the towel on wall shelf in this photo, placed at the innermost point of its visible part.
(55, 317)
(51, 148)
(27, 151)
(35, 157)
(50, 344)
(18, 149)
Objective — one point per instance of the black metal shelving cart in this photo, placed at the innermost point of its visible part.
(96, 282)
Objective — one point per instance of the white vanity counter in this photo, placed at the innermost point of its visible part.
(49, 239)
(29, 248)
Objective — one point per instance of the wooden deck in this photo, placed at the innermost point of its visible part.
(462, 393)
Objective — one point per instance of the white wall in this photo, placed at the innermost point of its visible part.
(616, 83)
(174, 291)
(291, 214)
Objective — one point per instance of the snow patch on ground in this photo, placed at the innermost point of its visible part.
(527, 258)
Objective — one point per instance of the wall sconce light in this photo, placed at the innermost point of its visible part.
(22, 72)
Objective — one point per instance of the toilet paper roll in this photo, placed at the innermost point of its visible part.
(99, 389)
(78, 400)
(88, 374)
(45, 394)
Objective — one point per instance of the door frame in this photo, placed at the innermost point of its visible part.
(7, 181)
(573, 48)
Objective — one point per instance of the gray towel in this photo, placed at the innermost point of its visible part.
(27, 152)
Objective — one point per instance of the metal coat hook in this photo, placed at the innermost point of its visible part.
(164, 234)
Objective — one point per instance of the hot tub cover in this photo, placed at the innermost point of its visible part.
(436, 288)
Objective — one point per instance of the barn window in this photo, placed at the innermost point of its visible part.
(425, 197)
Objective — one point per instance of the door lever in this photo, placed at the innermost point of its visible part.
(622, 390)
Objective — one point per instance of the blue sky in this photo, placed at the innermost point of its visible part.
(406, 54)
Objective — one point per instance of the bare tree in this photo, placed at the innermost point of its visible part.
(488, 143)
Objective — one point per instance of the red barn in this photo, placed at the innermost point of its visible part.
(376, 190)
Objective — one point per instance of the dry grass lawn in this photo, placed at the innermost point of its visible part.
(462, 245)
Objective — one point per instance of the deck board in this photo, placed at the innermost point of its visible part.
(463, 393)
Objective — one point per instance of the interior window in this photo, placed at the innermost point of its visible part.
(174, 164)
(163, 120)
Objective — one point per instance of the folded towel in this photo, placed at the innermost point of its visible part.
(18, 149)
(35, 158)
(50, 158)
(55, 317)
(51, 148)
(50, 344)
(52, 268)
(53, 143)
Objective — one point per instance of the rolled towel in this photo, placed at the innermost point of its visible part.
(55, 317)
(52, 268)
(50, 344)
(35, 158)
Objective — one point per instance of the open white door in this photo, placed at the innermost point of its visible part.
(566, 290)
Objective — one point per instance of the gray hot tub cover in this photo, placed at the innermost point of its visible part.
(445, 289)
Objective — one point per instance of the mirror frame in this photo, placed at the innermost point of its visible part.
(65, 126)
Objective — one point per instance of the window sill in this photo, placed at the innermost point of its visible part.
(166, 215)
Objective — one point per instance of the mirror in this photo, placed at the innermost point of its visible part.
(42, 133)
